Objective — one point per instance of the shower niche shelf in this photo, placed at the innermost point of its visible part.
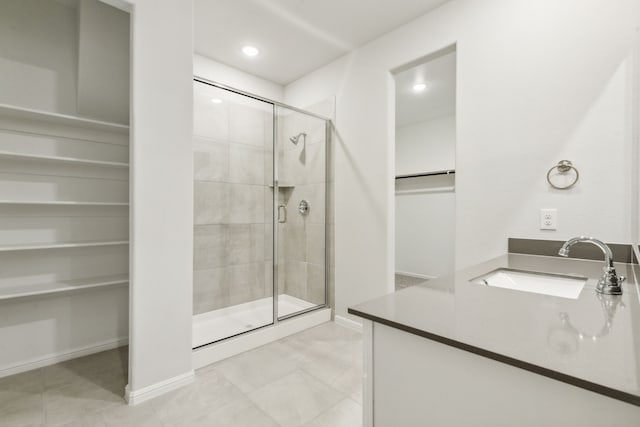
(284, 186)
(10, 292)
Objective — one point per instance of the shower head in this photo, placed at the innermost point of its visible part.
(296, 139)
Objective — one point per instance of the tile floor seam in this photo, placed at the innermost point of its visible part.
(44, 413)
(330, 384)
(234, 386)
(264, 413)
(327, 410)
(44, 408)
(298, 370)
(41, 393)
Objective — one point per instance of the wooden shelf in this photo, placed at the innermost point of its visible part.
(61, 119)
(62, 245)
(60, 203)
(8, 292)
(67, 160)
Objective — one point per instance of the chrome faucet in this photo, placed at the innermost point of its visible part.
(610, 282)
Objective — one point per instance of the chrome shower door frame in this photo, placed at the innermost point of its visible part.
(275, 229)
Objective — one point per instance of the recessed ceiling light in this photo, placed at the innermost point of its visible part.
(250, 50)
(216, 100)
(419, 87)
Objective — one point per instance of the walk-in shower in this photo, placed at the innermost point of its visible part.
(258, 257)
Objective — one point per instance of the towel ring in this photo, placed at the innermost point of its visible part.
(563, 167)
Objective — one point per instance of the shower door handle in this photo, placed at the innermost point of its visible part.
(282, 209)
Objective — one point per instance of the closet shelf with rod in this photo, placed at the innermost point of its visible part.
(434, 173)
(425, 186)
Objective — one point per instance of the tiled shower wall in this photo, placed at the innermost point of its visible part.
(233, 206)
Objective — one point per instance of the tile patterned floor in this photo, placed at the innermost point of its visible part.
(311, 379)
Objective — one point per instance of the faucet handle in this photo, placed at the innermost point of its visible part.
(609, 283)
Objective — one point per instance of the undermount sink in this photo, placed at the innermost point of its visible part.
(528, 281)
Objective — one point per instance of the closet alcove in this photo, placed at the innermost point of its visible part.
(64, 182)
(425, 147)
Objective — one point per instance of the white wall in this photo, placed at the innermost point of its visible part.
(103, 50)
(537, 82)
(426, 146)
(39, 331)
(635, 139)
(38, 55)
(162, 193)
(425, 233)
(229, 76)
(425, 222)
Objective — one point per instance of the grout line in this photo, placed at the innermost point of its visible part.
(333, 406)
(42, 396)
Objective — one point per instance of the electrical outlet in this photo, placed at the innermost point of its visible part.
(548, 219)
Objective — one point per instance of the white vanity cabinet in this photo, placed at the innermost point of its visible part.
(412, 381)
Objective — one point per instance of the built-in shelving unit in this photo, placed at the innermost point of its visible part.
(92, 148)
(64, 182)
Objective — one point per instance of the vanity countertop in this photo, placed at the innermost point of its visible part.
(591, 342)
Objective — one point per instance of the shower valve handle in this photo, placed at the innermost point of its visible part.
(282, 209)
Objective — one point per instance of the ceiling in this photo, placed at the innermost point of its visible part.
(295, 37)
(437, 100)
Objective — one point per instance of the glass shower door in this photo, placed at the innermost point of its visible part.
(233, 213)
(300, 212)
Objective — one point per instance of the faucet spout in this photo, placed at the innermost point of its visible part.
(608, 255)
(610, 282)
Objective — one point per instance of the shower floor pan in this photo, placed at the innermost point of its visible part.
(226, 322)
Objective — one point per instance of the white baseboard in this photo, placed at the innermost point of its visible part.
(230, 347)
(348, 323)
(135, 397)
(53, 358)
(416, 275)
